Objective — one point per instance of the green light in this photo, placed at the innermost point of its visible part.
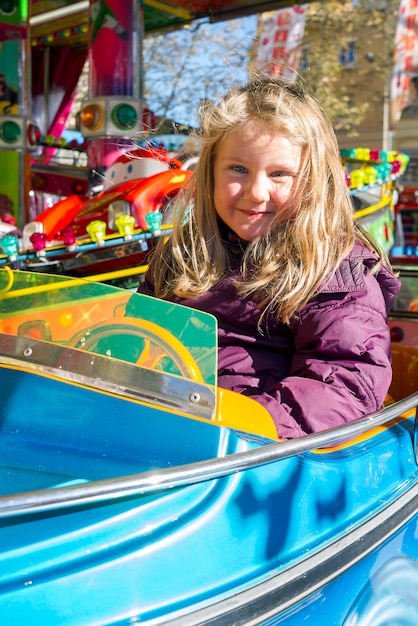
(10, 245)
(124, 116)
(10, 132)
(24, 10)
(154, 221)
(8, 7)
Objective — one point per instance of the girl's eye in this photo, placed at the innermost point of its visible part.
(240, 169)
(279, 174)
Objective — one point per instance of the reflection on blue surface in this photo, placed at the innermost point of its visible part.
(390, 597)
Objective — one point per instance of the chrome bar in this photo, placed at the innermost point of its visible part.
(416, 436)
(180, 476)
(109, 374)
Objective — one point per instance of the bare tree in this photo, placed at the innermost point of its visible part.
(193, 64)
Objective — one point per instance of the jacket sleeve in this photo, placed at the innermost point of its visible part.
(341, 368)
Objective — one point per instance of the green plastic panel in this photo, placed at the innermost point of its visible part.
(110, 321)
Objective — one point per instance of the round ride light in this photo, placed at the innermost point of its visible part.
(124, 116)
(10, 132)
(8, 7)
(396, 334)
(33, 134)
(78, 188)
(91, 116)
(39, 182)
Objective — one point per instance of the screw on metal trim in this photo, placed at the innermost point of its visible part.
(28, 352)
(194, 397)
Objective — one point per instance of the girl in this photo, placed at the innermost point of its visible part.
(264, 239)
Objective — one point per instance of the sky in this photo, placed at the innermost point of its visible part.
(219, 61)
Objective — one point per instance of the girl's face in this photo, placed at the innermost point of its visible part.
(256, 175)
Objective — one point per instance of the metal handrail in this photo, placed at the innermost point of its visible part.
(182, 475)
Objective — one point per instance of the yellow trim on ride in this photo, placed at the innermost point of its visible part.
(240, 412)
(234, 410)
(74, 282)
(169, 8)
(132, 271)
(386, 202)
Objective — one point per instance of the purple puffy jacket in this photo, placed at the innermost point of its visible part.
(330, 366)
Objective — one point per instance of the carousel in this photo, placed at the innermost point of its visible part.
(133, 489)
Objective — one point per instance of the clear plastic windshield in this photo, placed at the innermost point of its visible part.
(112, 322)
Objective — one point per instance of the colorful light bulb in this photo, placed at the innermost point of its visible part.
(357, 178)
(125, 225)
(68, 237)
(370, 175)
(97, 231)
(154, 221)
(396, 167)
(10, 246)
(348, 154)
(38, 241)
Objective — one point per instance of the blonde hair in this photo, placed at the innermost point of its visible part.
(282, 270)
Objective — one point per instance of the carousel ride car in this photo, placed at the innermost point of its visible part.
(134, 489)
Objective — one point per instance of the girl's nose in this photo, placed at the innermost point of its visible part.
(257, 188)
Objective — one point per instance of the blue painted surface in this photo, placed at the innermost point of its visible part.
(145, 557)
(380, 590)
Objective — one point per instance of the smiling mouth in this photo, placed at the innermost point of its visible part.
(254, 212)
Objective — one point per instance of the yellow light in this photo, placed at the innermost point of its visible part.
(97, 231)
(125, 225)
(92, 116)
